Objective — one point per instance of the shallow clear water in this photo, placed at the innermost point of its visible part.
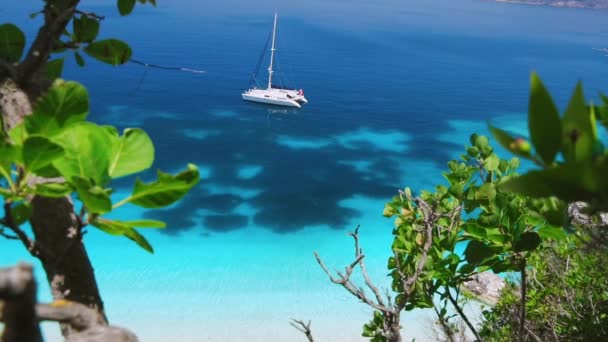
(395, 89)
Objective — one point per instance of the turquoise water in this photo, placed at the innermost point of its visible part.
(395, 89)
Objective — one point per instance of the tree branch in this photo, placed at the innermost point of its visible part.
(38, 54)
(462, 315)
(20, 313)
(344, 279)
(9, 222)
(303, 327)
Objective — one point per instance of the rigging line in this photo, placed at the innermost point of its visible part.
(253, 79)
(141, 81)
(162, 67)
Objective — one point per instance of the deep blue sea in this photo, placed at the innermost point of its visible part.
(395, 89)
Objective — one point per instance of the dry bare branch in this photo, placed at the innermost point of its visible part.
(303, 327)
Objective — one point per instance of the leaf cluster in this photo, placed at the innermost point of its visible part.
(568, 148)
(80, 158)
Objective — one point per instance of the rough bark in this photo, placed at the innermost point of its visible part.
(20, 313)
(18, 291)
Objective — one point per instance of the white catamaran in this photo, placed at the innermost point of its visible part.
(272, 94)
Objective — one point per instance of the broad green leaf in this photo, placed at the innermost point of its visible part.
(569, 182)
(131, 153)
(85, 29)
(474, 230)
(519, 146)
(125, 7)
(18, 134)
(87, 152)
(9, 155)
(486, 192)
(543, 121)
(12, 42)
(94, 198)
(556, 233)
(579, 130)
(491, 163)
(52, 190)
(146, 224)
(54, 68)
(21, 213)
(527, 242)
(113, 227)
(165, 191)
(111, 51)
(38, 152)
(476, 252)
(65, 103)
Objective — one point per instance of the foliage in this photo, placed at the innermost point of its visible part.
(567, 296)
(74, 156)
(500, 229)
(82, 158)
(568, 148)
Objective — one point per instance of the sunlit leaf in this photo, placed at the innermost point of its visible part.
(543, 121)
(131, 153)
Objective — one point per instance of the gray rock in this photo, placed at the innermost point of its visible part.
(486, 286)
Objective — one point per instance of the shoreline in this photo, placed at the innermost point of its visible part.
(561, 4)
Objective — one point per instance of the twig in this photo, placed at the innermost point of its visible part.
(41, 48)
(9, 222)
(303, 327)
(446, 328)
(462, 315)
(368, 281)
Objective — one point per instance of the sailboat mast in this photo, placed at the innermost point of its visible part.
(272, 50)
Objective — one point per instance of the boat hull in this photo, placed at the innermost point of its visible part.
(278, 97)
(276, 102)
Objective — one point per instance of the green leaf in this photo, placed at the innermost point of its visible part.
(12, 42)
(94, 198)
(527, 242)
(518, 146)
(53, 190)
(569, 182)
(111, 51)
(21, 213)
(54, 68)
(486, 192)
(491, 163)
(18, 134)
(555, 233)
(543, 121)
(38, 152)
(146, 224)
(85, 29)
(79, 59)
(88, 148)
(65, 103)
(131, 153)
(474, 230)
(165, 191)
(125, 7)
(476, 252)
(579, 129)
(123, 229)
(9, 155)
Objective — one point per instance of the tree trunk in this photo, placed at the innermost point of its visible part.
(18, 312)
(394, 328)
(54, 223)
